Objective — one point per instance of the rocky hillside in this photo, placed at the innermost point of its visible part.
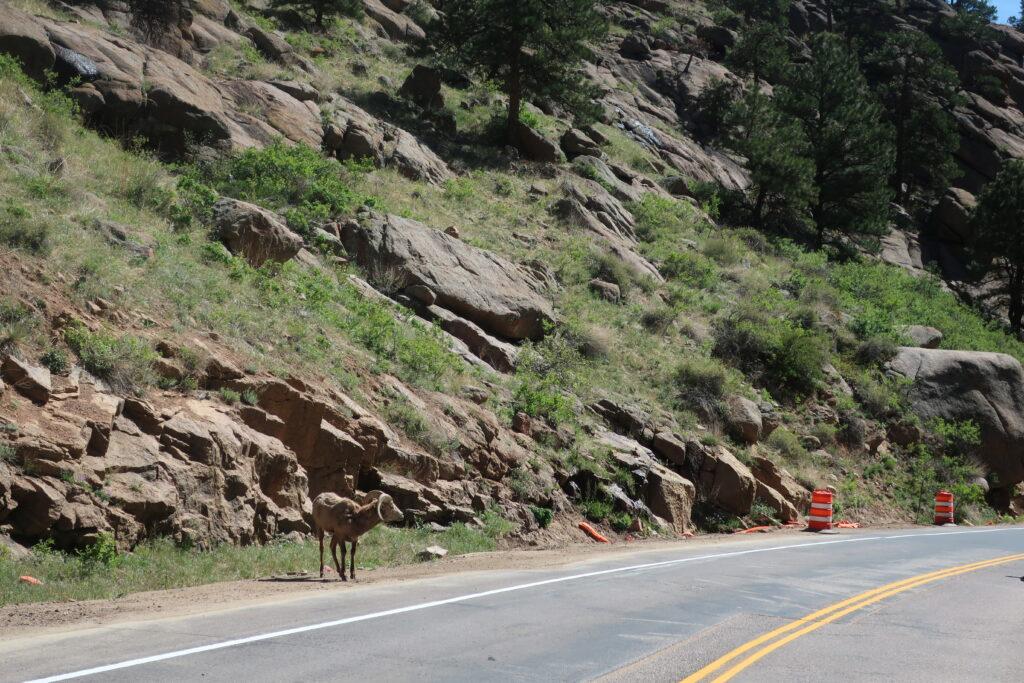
(247, 260)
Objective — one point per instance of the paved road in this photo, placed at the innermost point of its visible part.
(651, 616)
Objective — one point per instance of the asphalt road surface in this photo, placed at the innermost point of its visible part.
(914, 605)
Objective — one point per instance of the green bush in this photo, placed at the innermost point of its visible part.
(56, 360)
(772, 350)
(123, 362)
(661, 217)
(690, 268)
(308, 188)
(700, 383)
(883, 299)
(543, 516)
(875, 351)
(788, 444)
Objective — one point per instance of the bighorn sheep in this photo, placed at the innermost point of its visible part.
(347, 520)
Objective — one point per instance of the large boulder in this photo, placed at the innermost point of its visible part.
(952, 216)
(778, 479)
(31, 381)
(986, 388)
(254, 232)
(423, 86)
(24, 39)
(501, 297)
(744, 418)
(354, 133)
(721, 478)
(534, 146)
(137, 88)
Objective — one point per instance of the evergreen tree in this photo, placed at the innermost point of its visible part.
(778, 160)
(968, 26)
(761, 52)
(918, 90)
(850, 144)
(323, 8)
(530, 48)
(997, 250)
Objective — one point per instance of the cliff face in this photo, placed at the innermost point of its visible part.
(268, 384)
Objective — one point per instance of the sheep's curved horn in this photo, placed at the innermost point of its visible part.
(380, 504)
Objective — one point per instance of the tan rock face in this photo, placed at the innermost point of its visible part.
(254, 232)
(771, 475)
(502, 298)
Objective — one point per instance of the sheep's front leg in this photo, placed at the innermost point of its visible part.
(341, 569)
(320, 535)
(334, 554)
(353, 561)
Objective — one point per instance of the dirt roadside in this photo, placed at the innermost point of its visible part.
(53, 617)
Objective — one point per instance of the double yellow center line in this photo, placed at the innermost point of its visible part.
(766, 644)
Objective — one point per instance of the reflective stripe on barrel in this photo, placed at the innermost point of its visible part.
(944, 507)
(820, 517)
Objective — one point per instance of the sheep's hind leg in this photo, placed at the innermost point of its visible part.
(334, 554)
(320, 535)
(341, 568)
(352, 573)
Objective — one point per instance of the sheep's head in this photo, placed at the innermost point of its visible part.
(388, 511)
(385, 506)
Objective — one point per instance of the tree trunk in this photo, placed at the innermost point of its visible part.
(758, 218)
(514, 90)
(1016, 296)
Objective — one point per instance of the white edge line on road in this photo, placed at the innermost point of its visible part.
(474, 596)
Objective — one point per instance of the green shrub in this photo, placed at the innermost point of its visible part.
(102, 552)
(547, 373)
(724, 251)
(596, 509)
(658, 320)
(661, 217)
(123, 362)
(883, 299)
(230, 396)
(788, 444)
(772, 350)
(308, 188)
(690, 268)
(875, 351)
(7, 452)
(56, 359)
(700, 383)
(543, 516)
(761, 513)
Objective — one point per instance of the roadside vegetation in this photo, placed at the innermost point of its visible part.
(100, 572)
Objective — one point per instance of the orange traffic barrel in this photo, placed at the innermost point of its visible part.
(944, 507)
(820, 518)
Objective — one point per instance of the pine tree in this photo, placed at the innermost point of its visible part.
(778, 160)
(530, 48)
(850, 144)
(918, 90)
(997, 251)
(761, 52)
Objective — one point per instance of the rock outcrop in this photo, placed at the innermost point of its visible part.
(986, 388)
(500, 297)
(353, 133)
(254, 232)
